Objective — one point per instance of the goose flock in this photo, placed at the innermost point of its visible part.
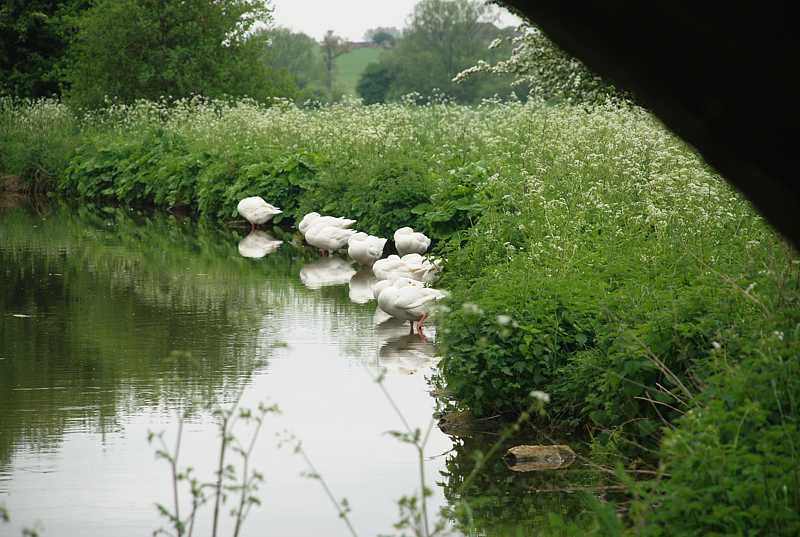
(398, 282)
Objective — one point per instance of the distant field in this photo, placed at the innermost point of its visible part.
(349, 66)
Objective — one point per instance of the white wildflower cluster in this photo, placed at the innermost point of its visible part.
(540, 396)
(504, 320)
(547, 71)
(34, 117)
(569, 179)
(472, 309)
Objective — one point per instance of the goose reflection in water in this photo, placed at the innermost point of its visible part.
(361, 286)
(258, 244)
(401, 352)
(326, 271)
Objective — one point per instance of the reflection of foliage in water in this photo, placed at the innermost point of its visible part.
(110, 297)
(505, 503)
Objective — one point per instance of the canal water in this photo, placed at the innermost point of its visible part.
(115, 324)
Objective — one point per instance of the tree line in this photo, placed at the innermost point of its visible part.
(441, 39)
(88, 51)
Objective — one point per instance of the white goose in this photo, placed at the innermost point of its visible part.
(328, 238)
(365, 249)
(314, 219)
(256, 211)
(258, 244)
(412, 266)
(391, 268)
(407, 241)
(380, 316)
(407, 300)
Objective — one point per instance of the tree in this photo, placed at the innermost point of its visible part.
(384, 36)
(370, 34)
(333, 46)
(298, 55)
(374, 84)
(130, 49)
(548, 71)
(443, 38)
(383, 39)
(32, 43)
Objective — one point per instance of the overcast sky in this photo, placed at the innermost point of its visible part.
(349, 18)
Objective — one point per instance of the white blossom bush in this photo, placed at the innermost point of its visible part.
(547, 71)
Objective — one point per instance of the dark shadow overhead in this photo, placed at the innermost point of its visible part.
(715, 73)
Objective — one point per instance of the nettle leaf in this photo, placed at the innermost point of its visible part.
(421, 208)
(439, 216)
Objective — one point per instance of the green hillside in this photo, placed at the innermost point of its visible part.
(349, 66)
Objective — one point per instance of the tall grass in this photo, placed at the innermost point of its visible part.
(590, 255)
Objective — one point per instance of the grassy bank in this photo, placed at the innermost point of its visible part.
(590, 254)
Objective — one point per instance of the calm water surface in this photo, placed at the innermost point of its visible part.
(93, 304)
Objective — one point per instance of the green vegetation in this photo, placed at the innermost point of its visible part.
(37, 139)
(374, 84)
(105, 51)
(332, 46)
(297, 56)
(173, 49)
(544, 69)
(350, 66)
(33, 40)
(443, 38)
(323, 72)
(384, 36)
(137, 49)
(240, 484)
(96, 53)
(589, 253)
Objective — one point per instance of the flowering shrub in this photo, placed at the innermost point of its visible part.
(544, 69)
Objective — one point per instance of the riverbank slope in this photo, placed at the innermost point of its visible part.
(590, 254)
